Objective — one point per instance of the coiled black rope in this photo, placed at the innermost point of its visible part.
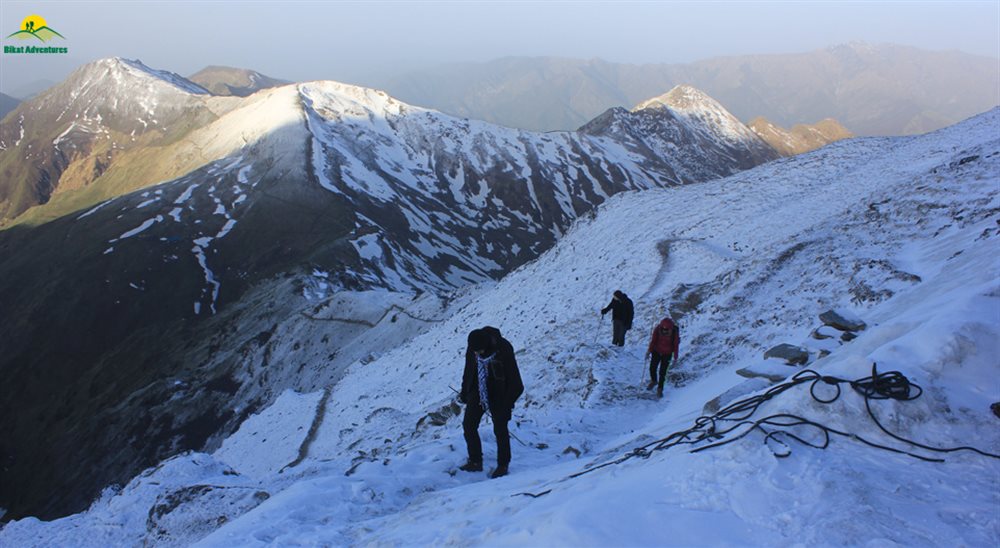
(736, 416)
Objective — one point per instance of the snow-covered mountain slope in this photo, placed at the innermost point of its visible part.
(442, 201)
(686, 125)
(177, 282)
(900, 233)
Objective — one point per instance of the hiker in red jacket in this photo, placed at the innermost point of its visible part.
(663, 344)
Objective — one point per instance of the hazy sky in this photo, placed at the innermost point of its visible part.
(361, 42)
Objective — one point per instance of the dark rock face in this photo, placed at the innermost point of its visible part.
(838, 321)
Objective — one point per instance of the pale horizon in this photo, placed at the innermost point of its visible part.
(357, 42)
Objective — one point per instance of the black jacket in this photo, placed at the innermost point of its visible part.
(503, 384)
(621, 310)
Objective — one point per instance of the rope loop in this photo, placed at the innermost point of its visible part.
(708, 431)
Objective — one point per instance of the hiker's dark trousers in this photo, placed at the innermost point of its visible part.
(474, 414)
(618, 336)
(661, 361)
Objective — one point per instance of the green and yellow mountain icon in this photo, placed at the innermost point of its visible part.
(34, 26)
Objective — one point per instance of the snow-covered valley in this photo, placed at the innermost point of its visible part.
(901, 233)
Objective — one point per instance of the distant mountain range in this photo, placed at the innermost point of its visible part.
(233, 81)
(163, 232)
(870, 89)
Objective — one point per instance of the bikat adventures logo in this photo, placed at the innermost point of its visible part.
(34, 28)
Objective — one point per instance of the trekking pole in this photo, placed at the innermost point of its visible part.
(600, 322)
(513, 435)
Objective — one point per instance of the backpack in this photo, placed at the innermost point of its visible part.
(666, 336)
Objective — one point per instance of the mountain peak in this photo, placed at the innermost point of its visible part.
(124, 70)
(683, 98)
(703, 114)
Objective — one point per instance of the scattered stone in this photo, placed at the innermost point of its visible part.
(848, 336)
(771, 370)
(729, 396)
(793, 355)
(570, 449)
(441, 416)
(824, 332)
(843, 321)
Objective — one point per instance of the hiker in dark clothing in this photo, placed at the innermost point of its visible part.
(491, 382)
(663, 344)
(621, 316)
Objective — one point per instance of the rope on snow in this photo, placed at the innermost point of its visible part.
(879, 386)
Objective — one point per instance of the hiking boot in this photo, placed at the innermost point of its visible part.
(659, 392)
(499, 472)
(650, 385)
(472, 466)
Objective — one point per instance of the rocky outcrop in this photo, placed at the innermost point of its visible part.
(842, 321)
(790, 353)
(801, 137)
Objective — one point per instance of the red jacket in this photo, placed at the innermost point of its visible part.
(666, 338)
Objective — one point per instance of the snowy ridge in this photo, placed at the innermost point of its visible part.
(449, 179)
(899, 232)
(136, 68)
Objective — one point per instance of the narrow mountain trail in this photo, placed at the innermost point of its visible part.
(549, 442)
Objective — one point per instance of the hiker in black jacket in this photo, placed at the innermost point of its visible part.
(491, 382)
(621, 316)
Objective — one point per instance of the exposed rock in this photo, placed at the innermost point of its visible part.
(842, 321)
(770, 370)
(736, 392)
(188, 514)
(441, 416)
(824, 332)
(848, 336)
(792, 354)
(802, 137)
